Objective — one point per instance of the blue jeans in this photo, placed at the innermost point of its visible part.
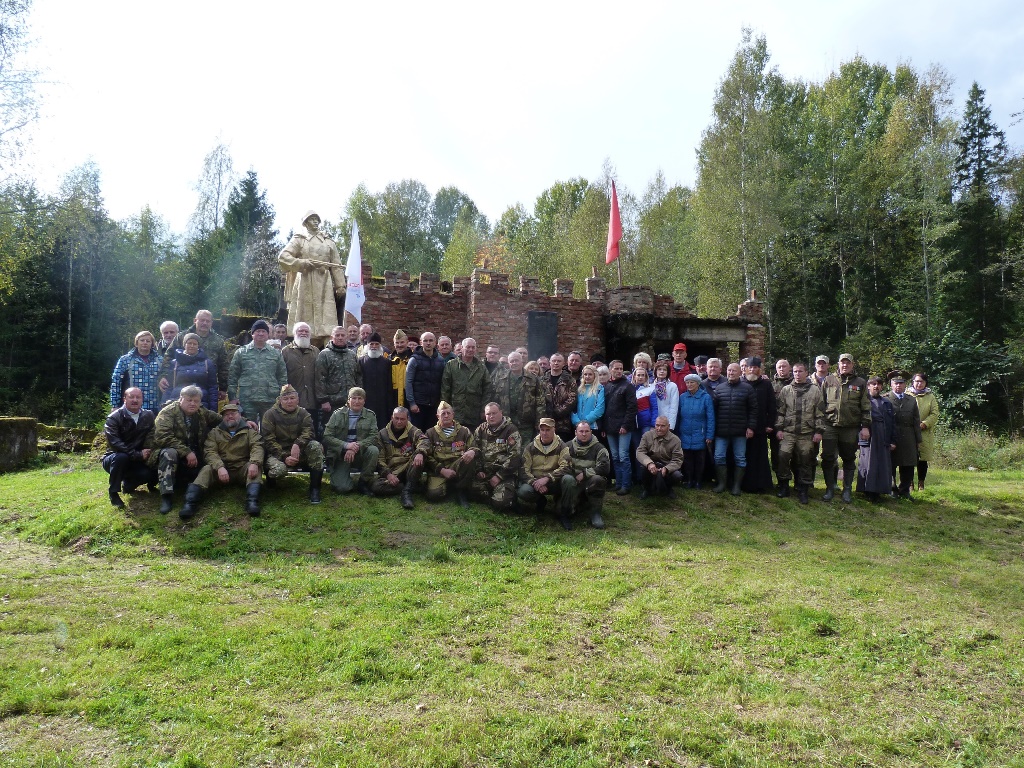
(739, 450)
(618, 447)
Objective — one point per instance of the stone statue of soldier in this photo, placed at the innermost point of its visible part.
(315, 278)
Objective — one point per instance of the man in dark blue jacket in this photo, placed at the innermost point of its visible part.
(423, 377)
(735, 419)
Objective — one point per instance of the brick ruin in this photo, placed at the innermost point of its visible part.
(618, 322)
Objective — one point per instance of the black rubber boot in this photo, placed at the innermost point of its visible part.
(721, 473)
(166, 502)
(316, 477)
(596, 520)
(406, 498)
(193, 495)
(801, 490)
(783, 492)
(252, 499)
(830, 483)
(737, 480)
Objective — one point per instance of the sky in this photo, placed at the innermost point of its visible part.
(499, 101)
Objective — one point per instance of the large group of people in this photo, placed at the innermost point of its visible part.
(430, 417)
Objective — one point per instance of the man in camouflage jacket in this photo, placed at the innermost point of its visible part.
(403, 455)
(497, 468)
(583, 486)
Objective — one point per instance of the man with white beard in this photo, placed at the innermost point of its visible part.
(376, 370)
(300, 360)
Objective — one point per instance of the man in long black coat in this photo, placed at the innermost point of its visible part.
(758, 477)
(376, 368)
(908, 432)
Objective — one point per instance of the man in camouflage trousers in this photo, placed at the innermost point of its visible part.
(545, 463)
(519, 395)
(403, 452)
(287, 430)
(799, 424)
(583, 486)
(451, 458)
(234, 454)
(497, 440)
(178, 436)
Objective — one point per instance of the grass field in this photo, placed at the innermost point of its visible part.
(706, 631)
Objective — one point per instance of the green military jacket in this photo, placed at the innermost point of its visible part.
(171, 430)
(256, 375)
(222, 449)
(337, 371)
(800, 409)
(846, 402)
(398, 451)
(446, 452)
(336, 431)
(590, 459)
(541, 460)
(500, 450)
(281, 430)
(521, 398)
(465, 386)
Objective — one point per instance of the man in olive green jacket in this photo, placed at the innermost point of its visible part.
(234, 454)
(465, 384)
(287, 430)
(350, 441)
(545, 463)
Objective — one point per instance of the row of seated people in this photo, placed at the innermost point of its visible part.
(188, 442)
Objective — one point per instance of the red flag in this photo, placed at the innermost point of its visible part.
(614, 230)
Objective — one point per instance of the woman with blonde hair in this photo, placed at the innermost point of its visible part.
(589, 398)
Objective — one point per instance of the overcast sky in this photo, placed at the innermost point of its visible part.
(500, 100)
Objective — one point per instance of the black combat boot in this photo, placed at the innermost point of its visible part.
(801, 490)
(115, 500)
(783, 492)
(166, 502)
(316, 477)
(193, 495)
(407, 489)
(252, 499)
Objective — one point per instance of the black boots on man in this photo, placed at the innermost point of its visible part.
(316, 477)
(193, 495)
(252, 499)
(783, 492)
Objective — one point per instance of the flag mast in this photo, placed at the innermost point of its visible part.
(614, 235)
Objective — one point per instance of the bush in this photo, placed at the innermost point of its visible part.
(976, 447)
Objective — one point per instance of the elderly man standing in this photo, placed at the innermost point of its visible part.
(497, 440)
(139, 368)
(660, 455)
(799, 424)
(736, 417)
(545, 463)
(211, 342)
(519, 395)
(234, 453)
(289, 443)
(300, 363)
(403, 452)
(848, 411)
(257, 373)
(465, 384)
(350, 441)
(314, 277)
(127, 429)
(376, 370)
(337, 371)
(423, 382)
(583, 486)
(178, 438)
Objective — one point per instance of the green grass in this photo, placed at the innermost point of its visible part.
(708, 631)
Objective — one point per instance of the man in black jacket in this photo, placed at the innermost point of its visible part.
(423, 383)
(619, 422)
(126, 430)
(735, 419)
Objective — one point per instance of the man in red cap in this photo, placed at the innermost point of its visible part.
(680, 367)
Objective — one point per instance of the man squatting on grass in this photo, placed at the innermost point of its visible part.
(489, 428)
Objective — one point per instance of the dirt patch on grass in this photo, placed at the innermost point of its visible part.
(61, 736)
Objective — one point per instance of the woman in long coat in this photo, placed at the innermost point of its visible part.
(874, 475)
(928, 409)
(908, 432)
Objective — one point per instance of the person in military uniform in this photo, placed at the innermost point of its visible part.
(337, 371)
(545, 463)
(287, 431)
(783, 377)
(908, 432)
(583, 486)
(257, 374)
(660, 456)
(500, 457)
(452, 456)
(211, 342)
(350, 441)
(799, 424)
(403, 455)
(465, 384)
(848, 410)
(519, 395)
(233, 453)
(178, 437)
(559, 396)
(314, 278)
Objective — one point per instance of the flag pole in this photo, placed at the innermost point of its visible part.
(614, 234)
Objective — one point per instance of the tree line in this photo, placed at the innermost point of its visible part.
(867, 212)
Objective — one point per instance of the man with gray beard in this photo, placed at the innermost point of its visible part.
(300, 362)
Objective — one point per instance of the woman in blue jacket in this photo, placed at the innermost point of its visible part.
(589, 398)
(696, 428)
(191, 366)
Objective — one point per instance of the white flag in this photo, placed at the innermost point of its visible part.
(354, 296)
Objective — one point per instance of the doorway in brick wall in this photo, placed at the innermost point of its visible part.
(541, 333)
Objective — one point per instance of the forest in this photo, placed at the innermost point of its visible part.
(869, 213)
